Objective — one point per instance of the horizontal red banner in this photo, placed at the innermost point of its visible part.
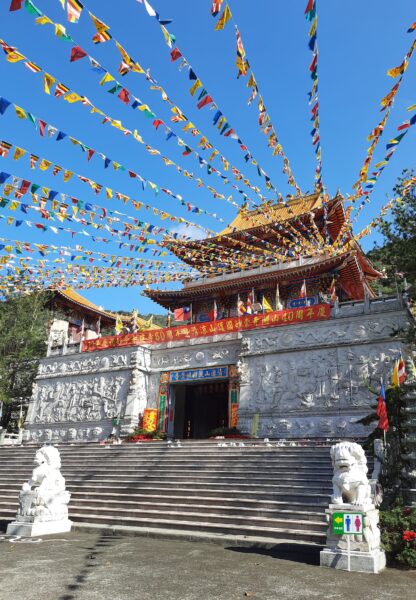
(183, 332)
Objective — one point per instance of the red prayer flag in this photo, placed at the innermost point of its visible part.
(206, 100)
(90, 153)
(16, 5)
(42, 125)
(157, 122)
(124, 96)
(76, 53)
(309, 6)
(175, 54)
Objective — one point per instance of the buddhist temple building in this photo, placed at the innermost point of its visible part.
(269, 255)
(281, 336)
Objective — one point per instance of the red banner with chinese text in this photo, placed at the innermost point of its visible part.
(234, 324)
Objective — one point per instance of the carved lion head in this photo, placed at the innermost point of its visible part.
(348, 455)
(48, 455)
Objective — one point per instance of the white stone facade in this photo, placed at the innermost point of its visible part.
(304, 380)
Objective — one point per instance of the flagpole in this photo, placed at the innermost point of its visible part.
(192, 313)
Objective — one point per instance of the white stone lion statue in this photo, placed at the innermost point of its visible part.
(44, 497)
(350, 474)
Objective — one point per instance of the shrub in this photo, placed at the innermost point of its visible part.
(398, 534)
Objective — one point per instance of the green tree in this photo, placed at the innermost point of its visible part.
(397, 255)
(23, 327)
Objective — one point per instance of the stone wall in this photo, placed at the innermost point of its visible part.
(300, 380)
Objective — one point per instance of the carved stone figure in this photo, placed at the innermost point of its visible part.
(350, 474)
(43, 499)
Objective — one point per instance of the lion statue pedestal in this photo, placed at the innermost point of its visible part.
(352, 494)
(43, 500)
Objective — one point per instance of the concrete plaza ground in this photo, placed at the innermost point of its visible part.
(101, 566)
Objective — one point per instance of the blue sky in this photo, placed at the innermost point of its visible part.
(358, 42)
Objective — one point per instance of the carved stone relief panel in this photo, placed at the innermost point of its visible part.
(90, 398)
(332, 333)
(204, 354)
(88, 363)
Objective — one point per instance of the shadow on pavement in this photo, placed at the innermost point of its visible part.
(91, 560)
(295, 552)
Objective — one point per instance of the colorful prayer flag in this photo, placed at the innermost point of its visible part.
(224, 18)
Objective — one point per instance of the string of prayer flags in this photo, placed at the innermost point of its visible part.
(386, 104)
(264, 120)
(98, 187)
(22, 188)
(129, 64)
(124, 96)
(219, 120)
(85, 148)
(312, 17)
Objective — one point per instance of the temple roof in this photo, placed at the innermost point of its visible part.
(277, 213)
(267, 235)
(72, 298)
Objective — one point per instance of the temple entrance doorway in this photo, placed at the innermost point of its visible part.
(199, 408)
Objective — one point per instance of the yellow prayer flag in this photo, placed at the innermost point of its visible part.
(266, 306)
(109, 193)
(67, 175)
(166, 35)
(72, 97)
(195, 86)
(123, 53)
(18, 153)
(223, 20)
(44, 164)
(48, 82)
(20, 112)
(107, 77)
(413, 107)
(43, 20)
(395, 376)
(396, 71)
(13, 205)
(14, 56)
(136, 68)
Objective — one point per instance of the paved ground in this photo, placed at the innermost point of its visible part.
(94, 566)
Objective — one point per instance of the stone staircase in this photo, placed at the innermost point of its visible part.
(249, 494)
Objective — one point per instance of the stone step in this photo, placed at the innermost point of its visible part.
(198, 516)
(209, 483)
(186, 479)
(146, 508)
(149, 500)
(303, 496)
(272, 533)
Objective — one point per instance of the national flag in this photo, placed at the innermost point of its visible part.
(241, 309)
(213, 314)
(182, 314)
(381, 412)
(395, 375)
(401, 370)
(303, 290)
(265, 305)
